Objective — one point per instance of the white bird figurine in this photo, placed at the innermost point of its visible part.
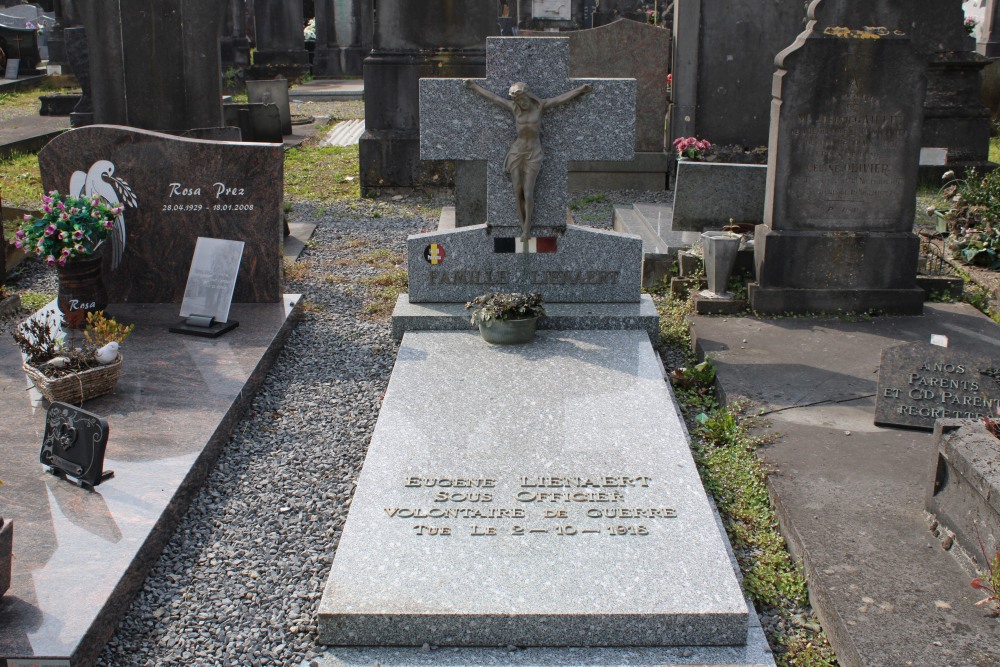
(107, 354)
(58, 362)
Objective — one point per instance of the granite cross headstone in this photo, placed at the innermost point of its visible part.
(456, 124)
(565, 263)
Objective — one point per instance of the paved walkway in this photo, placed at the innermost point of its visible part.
(29, 133)
(328, 89)
(850, 495)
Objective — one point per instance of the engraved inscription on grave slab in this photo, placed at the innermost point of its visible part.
(529, 506)
(920, 383)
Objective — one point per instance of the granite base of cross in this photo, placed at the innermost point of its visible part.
(458, 124)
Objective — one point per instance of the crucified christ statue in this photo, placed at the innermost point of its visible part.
(524, 159)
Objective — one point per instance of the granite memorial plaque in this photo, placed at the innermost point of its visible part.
(842, 166)
(209, 291)
(176, 190)
(920, 383)
(13, 65)
(74, 443)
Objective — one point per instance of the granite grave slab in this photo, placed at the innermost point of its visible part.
(81, 556)
(842, 166)
(708, 194)
(920, 383)
(174, 191)
(560, 506)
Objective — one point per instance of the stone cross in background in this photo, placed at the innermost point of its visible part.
(457, 124)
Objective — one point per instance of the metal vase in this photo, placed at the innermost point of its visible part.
(720, 250)
(81, 290)
(509, 332)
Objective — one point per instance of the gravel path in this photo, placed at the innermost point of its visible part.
(240, 581)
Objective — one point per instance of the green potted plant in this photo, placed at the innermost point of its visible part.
(507, 318)
(69, 235)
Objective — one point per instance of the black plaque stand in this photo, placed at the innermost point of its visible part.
(204, 326)
(73, 445)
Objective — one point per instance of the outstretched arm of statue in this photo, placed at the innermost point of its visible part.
(566, 97)
(496, 99)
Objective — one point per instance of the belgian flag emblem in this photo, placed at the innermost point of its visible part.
(434, 254)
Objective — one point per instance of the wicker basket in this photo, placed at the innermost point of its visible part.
(78, 387)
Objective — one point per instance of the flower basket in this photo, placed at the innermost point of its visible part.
(77, 387)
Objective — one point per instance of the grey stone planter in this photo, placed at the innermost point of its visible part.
(965, 486)
(708, 194)
(719, 254)
(509, 332)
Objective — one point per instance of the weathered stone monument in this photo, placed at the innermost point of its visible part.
(526, 516)
(723, 60)
(155, 69)
(412, 41)
(343, 37)
(281, 48)
(842, 166)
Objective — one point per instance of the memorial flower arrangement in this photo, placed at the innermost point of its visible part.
(970, 25)
(67, 228)
(691, 148)
(43, 344)
(503, 306)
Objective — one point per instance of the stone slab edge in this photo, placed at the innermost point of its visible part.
(106, 621)
(755, 653)
(408, 316)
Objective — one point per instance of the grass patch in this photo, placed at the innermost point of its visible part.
(32, 301)
(22, 180)
(577, 204)
(994, 149)
(324, 175)
(724, 446)
(385, 288)
(295, 271)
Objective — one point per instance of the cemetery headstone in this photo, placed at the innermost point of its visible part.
(410, 43)
(79, 64)
(180, 189)
(272, 91)
(235, 47)
(343, 37)
(723, 61)
(156, 70)
(280, 45)
(919, 384)
(842, 167)
(19, 36)
(564, 263)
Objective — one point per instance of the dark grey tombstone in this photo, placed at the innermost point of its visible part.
(412, 42)
(722, 65)
(155, 69)
(175, 190)
(79, 63)
(342, 42)
(18, 32)
(920, 383)
(842, 167)
(281, 48)
(257, 122)
(272, 91)
(235, 47)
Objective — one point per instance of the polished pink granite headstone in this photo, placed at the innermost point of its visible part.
(174, 191)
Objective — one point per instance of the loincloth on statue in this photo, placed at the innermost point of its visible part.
(529, 161)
